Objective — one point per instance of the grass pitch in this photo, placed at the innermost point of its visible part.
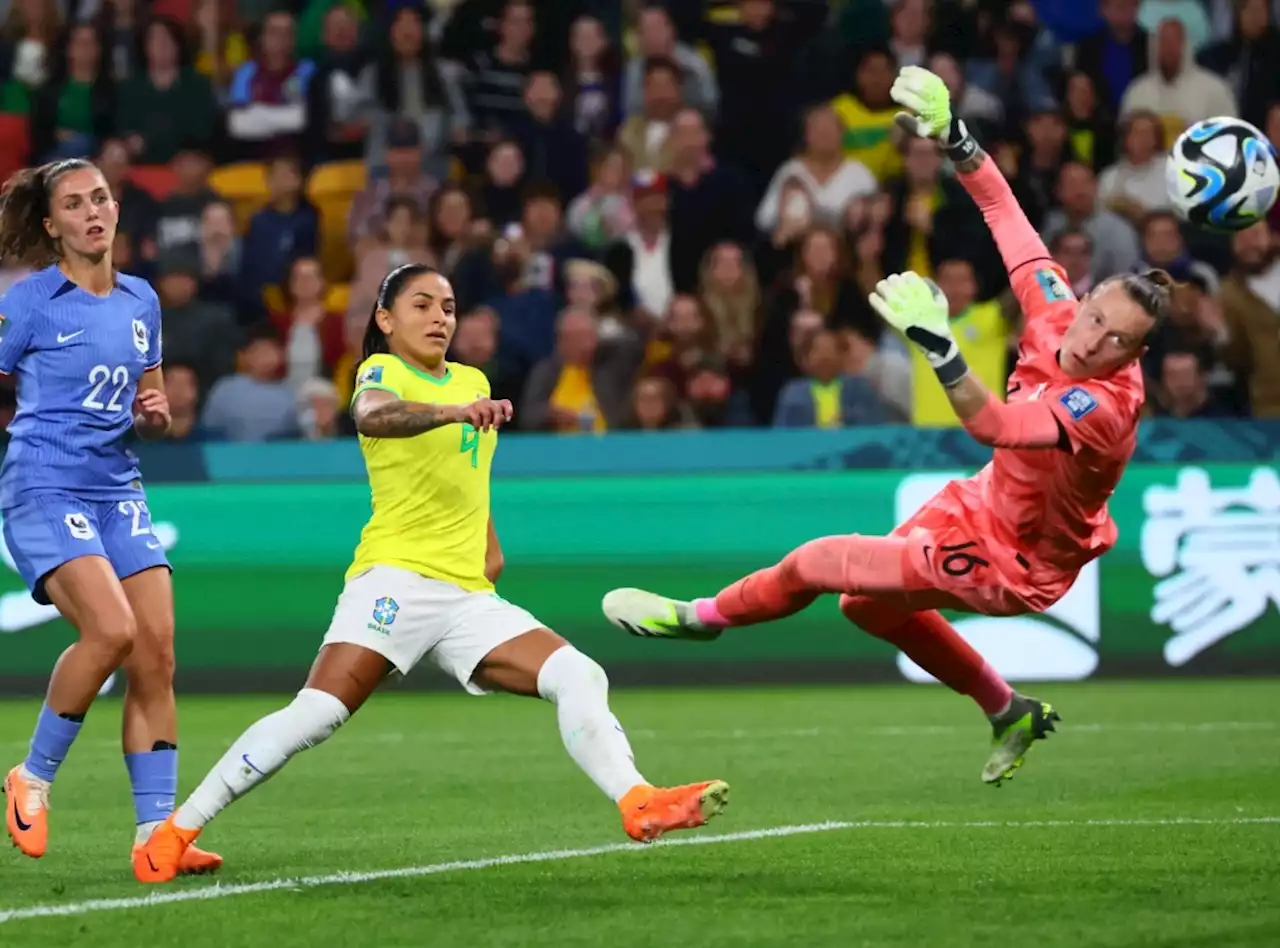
(1152, 818)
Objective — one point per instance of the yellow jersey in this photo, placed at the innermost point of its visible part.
(868, 136)
(982, 336)
(430, 492)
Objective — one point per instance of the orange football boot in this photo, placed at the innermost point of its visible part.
(26, 813)
(168, 854)
(648, 812)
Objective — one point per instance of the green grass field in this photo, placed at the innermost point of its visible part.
(1152, 818)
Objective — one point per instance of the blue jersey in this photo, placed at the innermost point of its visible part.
(78, 359)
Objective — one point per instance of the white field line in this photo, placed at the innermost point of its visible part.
(207, 893)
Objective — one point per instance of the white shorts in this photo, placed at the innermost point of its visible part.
(403, 616)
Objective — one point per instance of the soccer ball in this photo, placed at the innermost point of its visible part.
(1222, 174)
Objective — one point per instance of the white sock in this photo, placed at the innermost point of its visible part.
(579, 689)
(262, 750)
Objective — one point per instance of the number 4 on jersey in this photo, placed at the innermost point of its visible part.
(471, 442)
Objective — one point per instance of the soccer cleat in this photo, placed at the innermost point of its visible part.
(164, 855)
(648, 812)
(195, 861)
(652, 616)
(1027, 720)
(27, 811)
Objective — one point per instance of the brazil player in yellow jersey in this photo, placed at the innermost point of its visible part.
(422, 585)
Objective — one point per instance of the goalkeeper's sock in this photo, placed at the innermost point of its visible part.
(259, 752)
(852, 564)
(932, 642)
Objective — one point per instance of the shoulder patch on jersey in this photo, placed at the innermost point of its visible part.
(370, 376)
(1078, 402)
(1053, 287)
(140, 334)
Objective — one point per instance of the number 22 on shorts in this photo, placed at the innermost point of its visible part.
(471, 442)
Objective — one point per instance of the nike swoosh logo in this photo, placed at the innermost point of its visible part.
(151, 864)
(1015, 387)
(69, 336)
(152, 545)
(248, 763)
(17, 818)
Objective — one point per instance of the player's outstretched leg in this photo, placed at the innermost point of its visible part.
(539, 663)
(341, 680)
(835, 564)
(931, 642)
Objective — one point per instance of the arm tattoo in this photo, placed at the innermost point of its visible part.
(967, 397)
(397, 419)
(972, 163)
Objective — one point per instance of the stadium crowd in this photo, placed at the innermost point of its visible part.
(654, 215)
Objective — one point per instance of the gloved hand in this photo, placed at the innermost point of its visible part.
(918, 309)
(929, 100)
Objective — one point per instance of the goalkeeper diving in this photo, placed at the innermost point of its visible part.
(1011, 539)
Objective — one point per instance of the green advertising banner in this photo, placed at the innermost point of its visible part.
(1192, 586)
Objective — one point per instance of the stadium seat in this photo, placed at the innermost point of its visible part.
(339, 298)
(331, 189)
(344, 377)
(244, 185)
(15, 144)
(157, 180)
(273, 299)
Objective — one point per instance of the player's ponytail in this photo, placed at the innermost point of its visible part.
(1153, 291)
(23, 209)
(393, 284)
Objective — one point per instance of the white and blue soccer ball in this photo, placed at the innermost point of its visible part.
(1222, 175)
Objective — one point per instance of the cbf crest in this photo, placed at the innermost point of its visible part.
(140, 336)
(384, 615)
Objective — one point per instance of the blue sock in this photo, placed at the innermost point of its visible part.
(154, 777)
(52, 739)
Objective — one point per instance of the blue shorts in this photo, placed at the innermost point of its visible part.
(48, 528)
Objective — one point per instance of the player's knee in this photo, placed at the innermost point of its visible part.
(113, 632)
(151, 663)
(567, 670)
(874, 618)
(317, 715)
(818, 564)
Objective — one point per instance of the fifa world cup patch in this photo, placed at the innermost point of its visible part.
(370, 376)
(1078, 402)
(1053, 287)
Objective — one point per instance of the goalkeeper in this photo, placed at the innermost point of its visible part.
(1011, 539)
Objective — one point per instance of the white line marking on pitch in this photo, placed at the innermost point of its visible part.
(207, 893)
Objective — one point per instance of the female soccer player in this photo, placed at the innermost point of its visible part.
(85, 344)
(1011, 539)
(421, 585)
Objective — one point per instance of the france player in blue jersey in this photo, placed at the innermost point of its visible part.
(84, 344)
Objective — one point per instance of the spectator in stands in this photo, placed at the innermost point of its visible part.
(827, 397)
(1249, 60)
(339, 101)
(221, 261)
(1115, 244)
(1184, 389)
(319, 410)
(1022, 56)
(1117, 54)
(501, 194)
(1135, 185)
(583, 386)
(1175, 88)
(30, 34)
(170, 105)
(1163, 246)
(646, 134)
(1036, 170)
(654, 406)
(449, 226)
(593, 81)
(287, 228)
(867, 114)
(138, 209)
(685, 340)
(412, 86)
(729, 290)
(553, 149)
(404, 179)
(1197, 323)
(1074, 250)
(224, 48)
(400, 240)
(267, 102)
(589, 285)
(75, 109)
(254, 404)
(711, 399)
(910, 24)
(495, 86)
(178, 215)
(1091, 128)
(314, 334)
(886, 364)
(982, 111)
(475, 342)
(1191, 14)
(602, 213)
(656, 37)
(826, 177)
(197, 333)
(182, 388)
(650, 243)
(1251, 307)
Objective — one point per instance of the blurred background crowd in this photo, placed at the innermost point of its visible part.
(655, 215)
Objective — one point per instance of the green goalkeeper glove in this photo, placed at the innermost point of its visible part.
(918, 309)
(926, 95)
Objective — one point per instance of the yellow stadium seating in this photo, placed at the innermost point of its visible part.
(339, 298)
(332, 188)
(244, 186)
(273, 299)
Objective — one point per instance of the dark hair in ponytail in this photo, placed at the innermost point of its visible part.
(1153, 291)
(23, 210)
(393, 284)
